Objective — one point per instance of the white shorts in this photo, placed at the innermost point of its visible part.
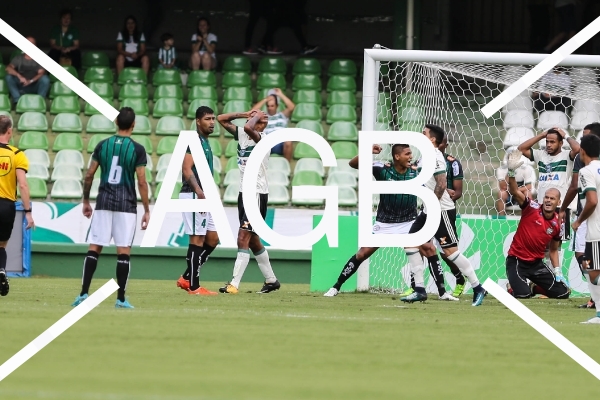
(196, 223)
(579, 239)
(395, 228)
(107, 225)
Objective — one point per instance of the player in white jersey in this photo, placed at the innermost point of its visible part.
(589, 184)
(446, 234)
(248, 240)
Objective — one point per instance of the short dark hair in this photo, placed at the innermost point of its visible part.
(126, 118)
(594, 128)
(437, 132)
(64, 12)
(165, 36)
(591, 145)
(202, 111)
(5, 124)
(399, 148)
(555, 132)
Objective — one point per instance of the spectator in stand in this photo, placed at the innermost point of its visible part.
(555, 81)
(565, 9)
(525, 176)
(131, 47)
(292, 14)
(204, 43)
(64, 42)
(24, 75)
(258, 9)
(277, 119)
(166, 54)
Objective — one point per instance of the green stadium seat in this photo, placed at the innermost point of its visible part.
(347, 196)
(233, 177)
(341, 112)
(94, 59)
(167, 106)
(342, 178)
(231, 149)
(307, 66)
(168, 91)
(277, 177)
(164, 160)
(237, 63)
(66, 172)
(38, 156)
(33, 140)
(142, 125)
(311, 125)
(102, 89)
(344, 149)
(303, 150)
(2, 69)
(310, 164)
(139, 106)
(88, 109)
(37, 188)
(202, 92)
(384, 108)
(341, 82)
(306, 111)
(60, 89)
(148, 174)
(278, 195)
(341, 97)
(191, 114)
(236, 79)
(149, 163)
(98, 74)
(306, 81)
(170, 125)
(132, 75)
(409, 100)
(202, 78)
(94, 140)
(166, 76)
(100, 124)
(133, 90)
(215, 145)
(236, 106)
(32, 121)
(5, 104)
(174, 195)
(66, 189)
(67, 141)
(217, 178)
(307, 96)
(280, 164)
(65, 104)
(217, 167)
(137, 191)
(71, 69)
(341, 66)
(237, 93)
(270, 80)
(231, 194)
(144, 141)
(160, 175)
(31, 102)
(307, 178)
(231, 164)
(342, 130)
(69, 157)
(272, 64)
(166, 146)
(382, 126)
(3, 87)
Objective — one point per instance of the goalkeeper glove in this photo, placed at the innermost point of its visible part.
(513, 161)
(558, 276)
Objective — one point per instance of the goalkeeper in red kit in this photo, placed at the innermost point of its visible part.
(539, 226)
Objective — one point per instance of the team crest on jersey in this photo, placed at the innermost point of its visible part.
(548, 167)
(376, 227)
(443, 240)
(534, 204)
(5, 165)
(549, 231)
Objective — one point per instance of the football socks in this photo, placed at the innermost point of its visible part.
(349, 269)
(241, 262)
(435, 268)
(122, 275)
(89, 267)
(262, 258)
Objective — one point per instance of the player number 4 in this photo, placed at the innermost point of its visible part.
(114, 176)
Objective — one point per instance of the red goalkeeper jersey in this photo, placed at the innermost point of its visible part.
(533, 233)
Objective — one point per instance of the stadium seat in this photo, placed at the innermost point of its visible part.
(586, 105)
(37, 156)
(5, 104)
(102, 89)
(382, 126)
(231, 149)
(202, 92)
(59, 89)
(31, 102)
(98, 74)
(411, 119)
(100, 124)
(94, 140)
(342, 66)
(174, 195)
(233, 177)
(168, 91)
(280, 164)
(236, 106)
(132, 75)
(341, 112)
(347, 196)
(37, 188)
(67, 141)
(386, 153)
(161, 173)
(341, 97)
(217, 178)
(149, 162)
(148, 174)
(303, 150)
(236, 79)
(170, 125)
(70, 69)
(166, 76)
(237, 63)
(277, 177)
(304, 111)
(231, 164)
(344, 149)
(237, 93)
(278, 195)
(3, 87)
(32, 121)
(167, 106)
(343, 166)
(581, 118)
(518, 118)
(551, 119)
(521, 102)
(384, 108)
(142, 125)
(69, 157)
(516, 136)
(67, 122)
(272, 64)
(307, 66)
(311, 125)
(191, 114)
(342, 178)
(217, 167)
(215, 145)
(164, 160)
(342, 130)
(202, 78)
(66, 172)
(307, 178)
(144, 141)
(341, 82)
(307, 96)
(2, 69)
(66, 189)
(165, 146)
(270, 80)
(33, 140)
(139, 106)
(231, 194)
(133, 90)
(65, 104)
(306, 81)
(587, 91)
(310, 164)
(94, 59)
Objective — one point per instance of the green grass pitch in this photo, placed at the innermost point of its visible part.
(290, 344)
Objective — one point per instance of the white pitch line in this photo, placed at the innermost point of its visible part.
(58, 328)
(539, 70)
(542, 327)
(59, 72)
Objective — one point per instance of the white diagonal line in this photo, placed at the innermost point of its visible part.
(542, 327)
(539, 70)
(58, 328)
(59, 72)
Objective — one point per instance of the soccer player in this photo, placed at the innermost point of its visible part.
(247, 138)
(538, 229)
(13, 170)
(120, 159)
(525, 176)
(589, 184)
(199, 226)
(395, 212)
(578, 241)
(446, 234)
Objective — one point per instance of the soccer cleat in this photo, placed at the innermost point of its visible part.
(458, 290)
(79, 300)
(331, 292)
(309, 50)
(183, 283)
(250, 52)
(3, 283)
(123, 304)
(270, 287)
(413, 297)
(407, 292)
(202, 292)
(478, 297)
(589, 304)
(509, 289)
(228, 288)
(448, 297)
(595, 320)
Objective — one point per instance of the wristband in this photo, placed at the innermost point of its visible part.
(27, 211)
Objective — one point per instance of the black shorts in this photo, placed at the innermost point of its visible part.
(262, 198)
(591, 259)
(7, 218)
(135, 63)
(446, 234)
(519, 271)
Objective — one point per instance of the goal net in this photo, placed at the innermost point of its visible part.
(409, 94)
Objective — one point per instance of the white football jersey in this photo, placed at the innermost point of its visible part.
(446, 202)
(589, 179)
(554, 172)
(244, 149)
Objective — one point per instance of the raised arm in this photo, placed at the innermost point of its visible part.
(250, 127)
(525, 147)
(261, 103)
(225, 121)
(354, 162)
(289, 104)
(513, 163)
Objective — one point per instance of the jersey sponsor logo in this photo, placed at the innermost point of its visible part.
(533, 204)
(549, 177)
(5, 165)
